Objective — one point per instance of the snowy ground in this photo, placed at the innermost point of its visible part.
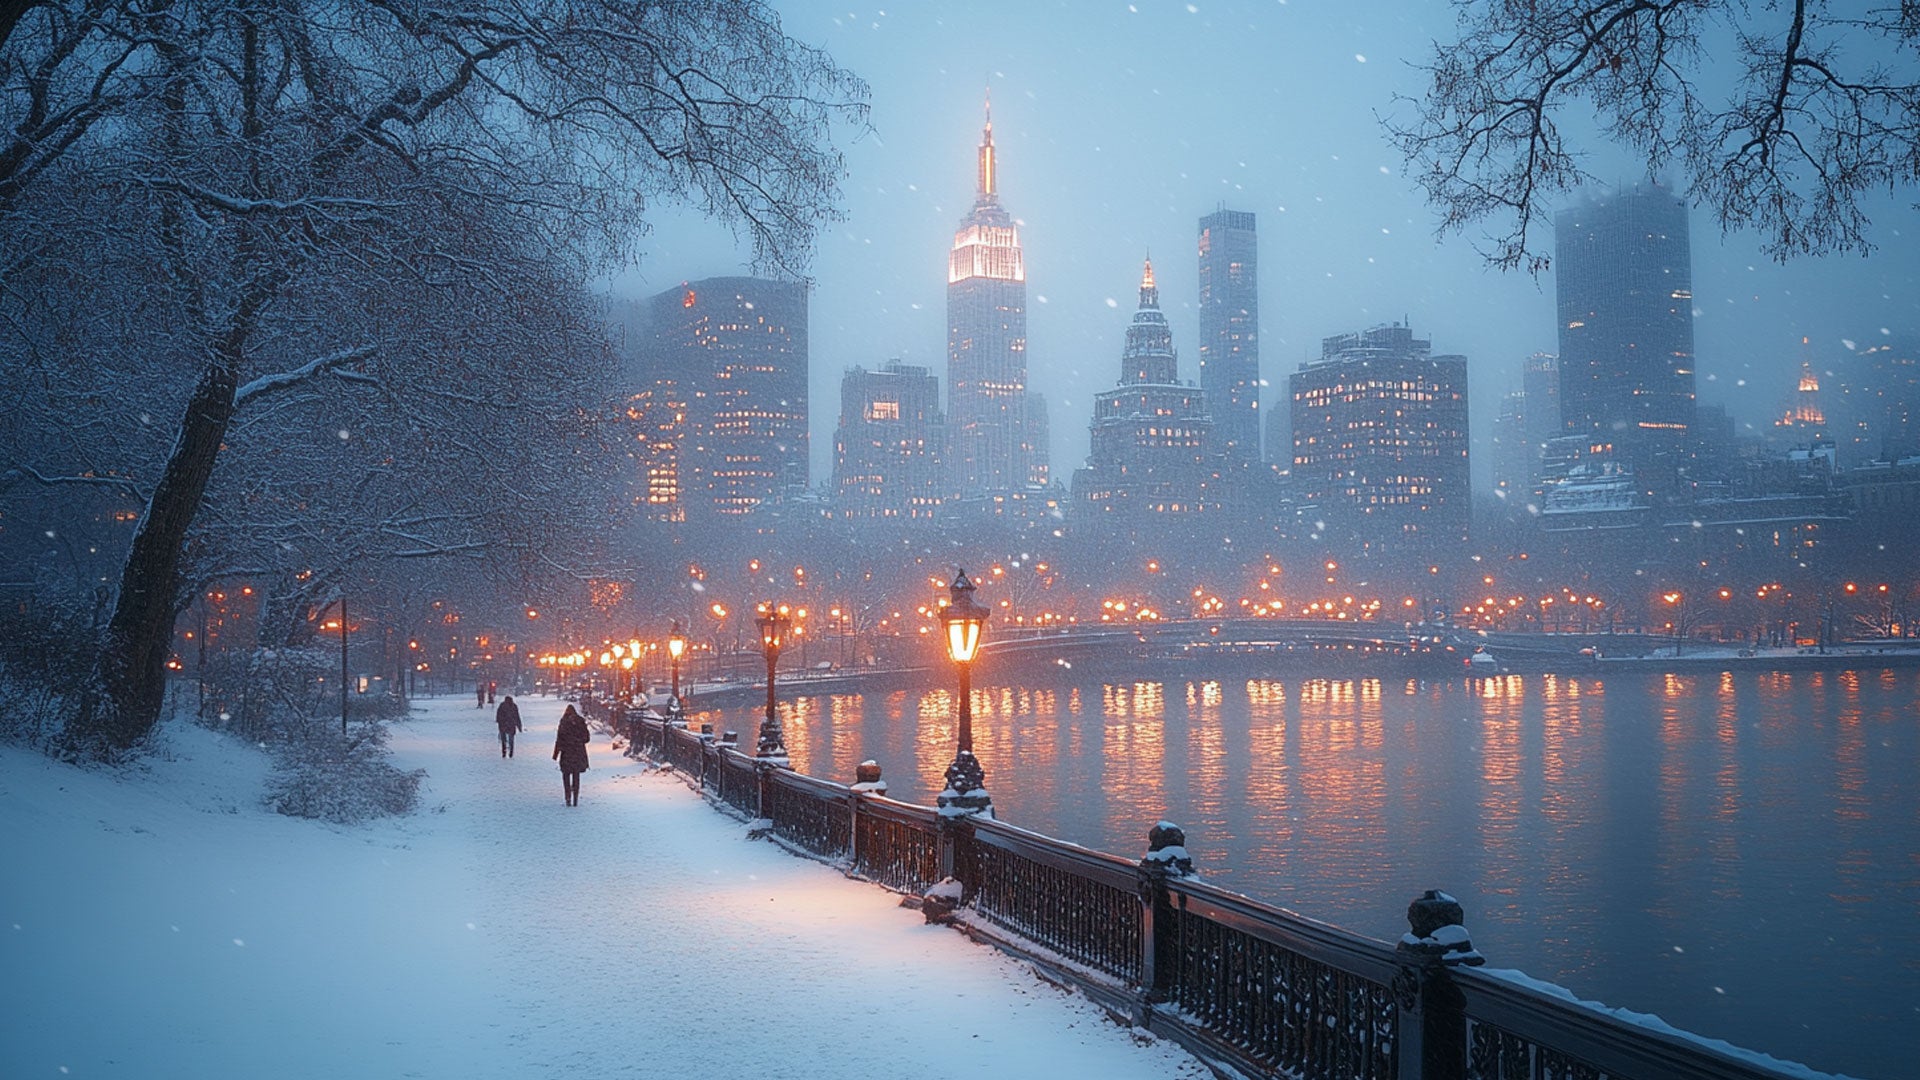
(161, 924)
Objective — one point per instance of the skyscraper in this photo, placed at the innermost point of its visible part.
(657, 407)
(1514, 455)
(890, 446)
(1872, 399)
(993, 450)
(1230, 331)
(1803, 417)
(1540, 385)
(1623, 275)
(1380, 439)
(732, 352)
(1150, 435)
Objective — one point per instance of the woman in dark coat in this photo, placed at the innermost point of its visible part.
(570, 750)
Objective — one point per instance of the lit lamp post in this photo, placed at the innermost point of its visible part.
(1677, 601)
(637, 678)
(773, 625)
(676, 645)
(966, 791)
(343, 664)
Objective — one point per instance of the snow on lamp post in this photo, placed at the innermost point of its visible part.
(966, 790)
(773, 624)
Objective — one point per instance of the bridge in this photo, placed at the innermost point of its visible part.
(1190, 647)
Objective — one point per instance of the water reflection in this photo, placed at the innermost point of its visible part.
(1643, 840)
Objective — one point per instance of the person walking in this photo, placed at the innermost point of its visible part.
(492, 688)
(570, 750)
(507, 717)
(480, 695)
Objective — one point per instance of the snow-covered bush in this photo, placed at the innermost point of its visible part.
(47, 647)
(320, 773)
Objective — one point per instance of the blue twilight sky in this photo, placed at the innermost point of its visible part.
(1120, 124)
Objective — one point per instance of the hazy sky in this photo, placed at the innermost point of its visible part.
(1119, 127)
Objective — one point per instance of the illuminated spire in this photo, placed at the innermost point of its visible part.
(988, 183)
(1149, 292)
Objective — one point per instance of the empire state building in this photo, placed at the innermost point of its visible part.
(995, 446)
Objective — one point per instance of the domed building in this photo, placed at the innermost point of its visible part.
(1151, 436)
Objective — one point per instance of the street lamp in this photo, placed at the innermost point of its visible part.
(966, 790)
(676, 645)
(343, 663)
(1677, 601)
(773, 624)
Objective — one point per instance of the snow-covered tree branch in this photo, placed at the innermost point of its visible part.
(1783, 117)
(196, 193)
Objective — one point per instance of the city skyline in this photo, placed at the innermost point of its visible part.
(1346, 239)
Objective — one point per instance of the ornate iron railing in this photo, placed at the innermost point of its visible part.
(1083, 906)
(1242, 984)
(736, 781)
(897, 844)
(814, 815)
(1296, 996)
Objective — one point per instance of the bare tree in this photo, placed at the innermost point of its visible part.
(1783, 116)
(276, 171)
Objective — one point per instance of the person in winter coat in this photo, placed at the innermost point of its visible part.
(480, 695)
(507, 717)
(570, 750)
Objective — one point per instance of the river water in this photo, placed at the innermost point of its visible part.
(1736, 853)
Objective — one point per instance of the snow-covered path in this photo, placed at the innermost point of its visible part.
(166, 926)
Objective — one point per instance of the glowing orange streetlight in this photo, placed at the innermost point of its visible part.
(773, 624)
(676, 645)
(966, 790)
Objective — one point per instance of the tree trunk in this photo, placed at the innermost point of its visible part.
(140, 634)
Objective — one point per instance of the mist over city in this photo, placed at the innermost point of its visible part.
(1119, 129)
(1329, 540)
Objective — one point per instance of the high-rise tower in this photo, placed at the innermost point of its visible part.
(889, 446)
(1230, 331)
(987, 344)
(1150, 435)
(1380, 441)
(729, 356)
(1623, 274)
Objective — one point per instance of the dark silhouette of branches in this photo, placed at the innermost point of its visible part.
(1783, 117)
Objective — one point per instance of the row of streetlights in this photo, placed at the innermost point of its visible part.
(963, 619)
(624, 657)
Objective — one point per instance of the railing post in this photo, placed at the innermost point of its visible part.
(1166, 858)
(1433, 1018)
(763, 774)
(706, 752)
(866, 781)
(953, 888)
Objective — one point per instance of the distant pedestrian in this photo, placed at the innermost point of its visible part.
(507, 717)
(491, 687)
(570, 750)
(480, 695)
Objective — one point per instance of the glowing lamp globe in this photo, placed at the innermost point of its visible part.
(964, 619)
